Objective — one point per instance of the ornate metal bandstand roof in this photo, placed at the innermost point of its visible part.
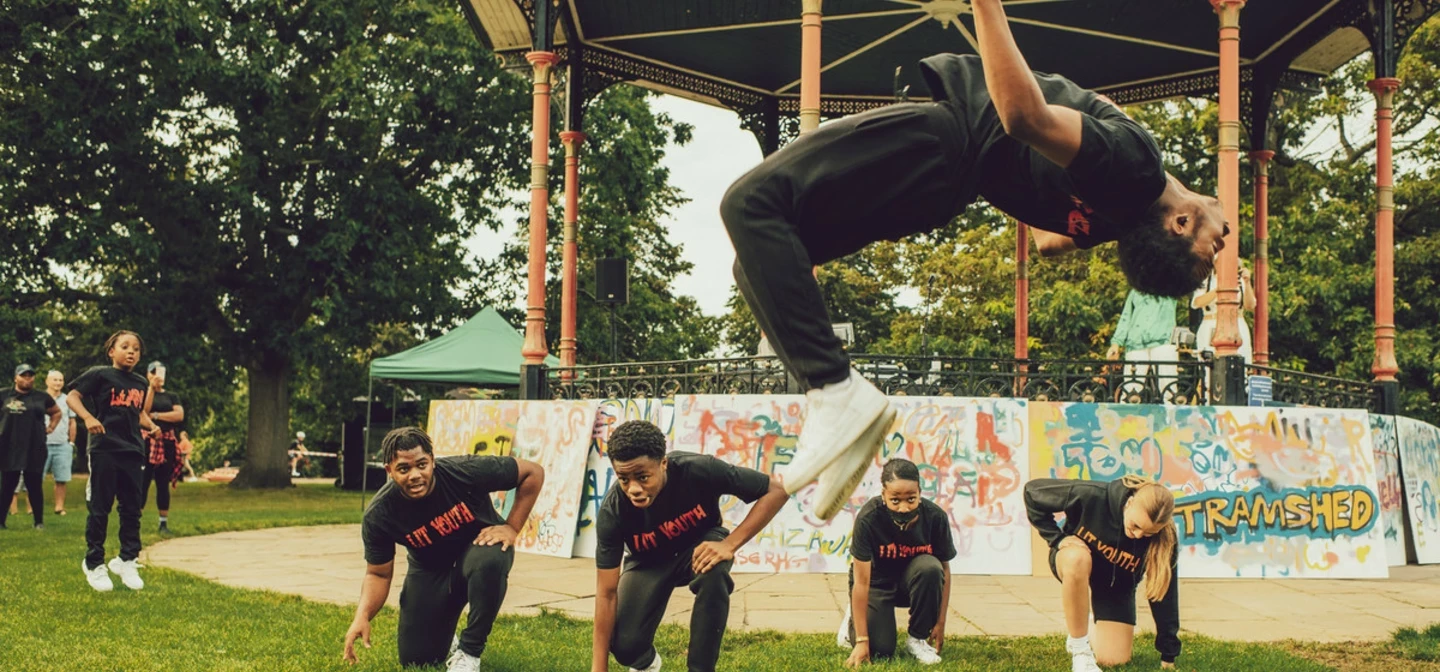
(745, 54)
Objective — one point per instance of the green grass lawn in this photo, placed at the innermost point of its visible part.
(51, 620)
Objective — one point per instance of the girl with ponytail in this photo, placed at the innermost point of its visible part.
(1114, 536)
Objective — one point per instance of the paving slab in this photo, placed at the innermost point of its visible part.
(325, 563)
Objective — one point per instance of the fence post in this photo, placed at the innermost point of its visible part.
(1387, 397)
(1229, 381)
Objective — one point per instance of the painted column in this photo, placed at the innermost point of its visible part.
(1227, 268)
(1385, 367)
(1022, 291)
(535, 349)
(1261, 160)
(568, 305)
(809, 65)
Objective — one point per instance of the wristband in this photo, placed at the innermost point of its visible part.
(861, 639)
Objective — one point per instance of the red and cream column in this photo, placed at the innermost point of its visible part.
(809, 65)
(1227, 267)
(1385, 367)
(568, 303)
(1261, 160)
(535, 348)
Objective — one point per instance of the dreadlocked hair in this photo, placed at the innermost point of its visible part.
(115, 338)
(1158, 502)
(401, 439)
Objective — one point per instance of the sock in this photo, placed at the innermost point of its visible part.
(163, 519)
(1077, 643)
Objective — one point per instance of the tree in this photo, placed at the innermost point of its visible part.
(264, 178)
(625, 192)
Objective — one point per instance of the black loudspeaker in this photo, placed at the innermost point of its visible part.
(612, 280)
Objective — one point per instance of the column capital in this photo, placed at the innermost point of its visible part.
(1384, 88)
(809, 7)
(539, 58)
(576, 137)
(1221, 5)
(1229, 11)
(1262, 155)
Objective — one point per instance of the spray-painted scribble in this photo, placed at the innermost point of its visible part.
(598, 473)
(972, 459)
(1260, 491)
(1392, 497)
(477, 427)
(554, 434)
(1420, 464)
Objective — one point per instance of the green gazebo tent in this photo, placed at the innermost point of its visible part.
(485, 352)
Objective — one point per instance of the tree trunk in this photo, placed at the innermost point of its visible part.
(267, 464)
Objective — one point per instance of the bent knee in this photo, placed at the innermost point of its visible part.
(928, 568)
(1073, 562)
(1112, 658)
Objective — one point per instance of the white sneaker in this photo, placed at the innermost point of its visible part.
(1083, 661)
(654, 665)
(454, 646)
(128, 571)
(461, 661)
(840, 479)
(835, 417)
(98, 578)
(842, 636)
(921, 649)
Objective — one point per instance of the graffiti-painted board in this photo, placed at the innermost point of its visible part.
(972, 459)
(1420, 462)
(475, 427)
(556, 435)
(1260, 492)
(1387, 474)
(598, 473)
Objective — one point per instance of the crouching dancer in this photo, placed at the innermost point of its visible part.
(665, 511)
(460, 550)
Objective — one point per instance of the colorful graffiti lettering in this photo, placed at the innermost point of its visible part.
(1223, 518)
(1386, 440)
(1420, 466)
(556, 435)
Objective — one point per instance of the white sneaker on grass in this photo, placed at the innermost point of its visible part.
(653, 667)
(921, 649)
(842, 636)
(98, 578)
(462, 662)
(836, 416)
(128, 571)
(840, 479)
(1083, 660)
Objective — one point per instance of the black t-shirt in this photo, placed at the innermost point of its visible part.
(116, 398)
(1102, 195)
(878, 540)
(23, 419)
(165, 402)
(438, 528)
(686, 508)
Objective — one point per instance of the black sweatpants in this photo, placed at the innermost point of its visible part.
(163, 475)
(34, 481)
(643, 594)
(115, 477)
(431, 602)
(878, 175)
(924, 580)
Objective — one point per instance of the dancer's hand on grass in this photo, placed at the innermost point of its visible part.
(497, 534)
(860, 654)
(358, 629)
(708, 554)
(937, 636)
(1166, 666)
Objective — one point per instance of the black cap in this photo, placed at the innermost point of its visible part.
(153, 365)
(24, 369)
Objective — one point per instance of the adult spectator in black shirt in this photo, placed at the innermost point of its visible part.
(900, 554)
(1057, 157)
(164, 466)
(460, 550)
(23, 426)
(663, 515)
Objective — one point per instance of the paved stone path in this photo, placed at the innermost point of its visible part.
(324, 563)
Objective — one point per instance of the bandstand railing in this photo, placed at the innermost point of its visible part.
(1312, 389)
(1179, 382)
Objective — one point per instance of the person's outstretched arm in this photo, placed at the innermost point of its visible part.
(607, 581)
(527, 489)
(374, 588)
(710, 553)
(1052, 130)
(1050, 244)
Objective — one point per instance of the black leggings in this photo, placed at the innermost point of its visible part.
(924, 581)
(163, 475)
(643, 594)
(431, 601)
(115, 476)
(877, 175)
(34, 482)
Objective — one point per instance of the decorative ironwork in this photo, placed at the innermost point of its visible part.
(1311, 389)
(1038, 380)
